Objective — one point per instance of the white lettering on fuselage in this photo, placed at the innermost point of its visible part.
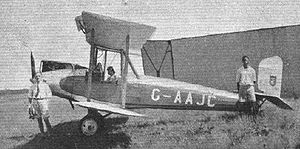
(205, 100)
(177, 98)
(167, 96)
(155, 98)
(209, 97)
(189, 99)
(202, 101)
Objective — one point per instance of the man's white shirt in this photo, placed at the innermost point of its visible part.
(246, 76)
(44, 91)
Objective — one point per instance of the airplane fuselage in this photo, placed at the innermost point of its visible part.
(146, 92)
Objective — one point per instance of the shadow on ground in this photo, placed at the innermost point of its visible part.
(67, 135)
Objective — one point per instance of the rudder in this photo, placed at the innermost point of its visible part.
(270, 75)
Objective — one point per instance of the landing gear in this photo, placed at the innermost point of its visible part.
(91, 123)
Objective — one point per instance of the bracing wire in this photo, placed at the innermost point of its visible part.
(113, 58)
(100, 54)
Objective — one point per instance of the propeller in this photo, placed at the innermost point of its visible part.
(33, 72)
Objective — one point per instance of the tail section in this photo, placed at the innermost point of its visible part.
(269, 81)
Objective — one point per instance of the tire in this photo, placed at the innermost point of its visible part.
(90, 125)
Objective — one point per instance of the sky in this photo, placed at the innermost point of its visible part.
(48, 29)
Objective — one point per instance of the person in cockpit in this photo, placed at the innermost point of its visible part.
(112, 74)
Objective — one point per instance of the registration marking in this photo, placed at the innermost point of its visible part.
(191, 98)
(167, 96)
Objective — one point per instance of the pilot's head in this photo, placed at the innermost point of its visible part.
(110, 70)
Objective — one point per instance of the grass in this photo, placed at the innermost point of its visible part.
(274, 128)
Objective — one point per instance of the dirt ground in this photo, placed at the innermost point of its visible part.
(275, 128)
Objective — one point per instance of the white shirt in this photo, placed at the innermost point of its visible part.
(246, 76)
(44, 90)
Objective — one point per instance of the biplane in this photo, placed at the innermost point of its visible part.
(87, 88)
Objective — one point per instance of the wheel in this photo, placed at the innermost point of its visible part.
(89, 125)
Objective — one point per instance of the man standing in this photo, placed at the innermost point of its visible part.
(38, 96)
(246, 79)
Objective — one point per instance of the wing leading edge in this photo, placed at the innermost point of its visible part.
(107, 107)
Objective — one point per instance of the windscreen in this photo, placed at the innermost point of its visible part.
(52, 66)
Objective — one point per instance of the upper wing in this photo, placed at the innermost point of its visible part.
(111, 33)
(107, 107)
(275, 100)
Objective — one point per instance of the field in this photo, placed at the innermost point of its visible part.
(274, 128)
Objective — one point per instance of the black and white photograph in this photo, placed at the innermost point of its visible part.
(111, 74)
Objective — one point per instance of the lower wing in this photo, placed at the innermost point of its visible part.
(97, 105)
(107, 107)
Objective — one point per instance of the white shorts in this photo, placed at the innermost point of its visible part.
(247, 93)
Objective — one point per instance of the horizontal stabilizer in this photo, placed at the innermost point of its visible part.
(107, 108)
(275, 100)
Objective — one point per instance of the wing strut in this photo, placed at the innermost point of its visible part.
(131, 66)
(91, 67)
(124, 76)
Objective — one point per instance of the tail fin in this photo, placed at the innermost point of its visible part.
(33, 72)
(269, 81)
(270, 75)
